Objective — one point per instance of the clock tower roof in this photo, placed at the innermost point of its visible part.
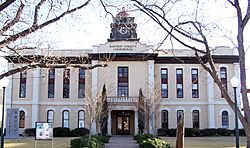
(123, 27)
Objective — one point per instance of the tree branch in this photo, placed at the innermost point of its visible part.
(34, 28)
(6, 4)
(37, 8)
(14, 21)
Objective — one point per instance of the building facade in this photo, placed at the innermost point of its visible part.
(172, 80)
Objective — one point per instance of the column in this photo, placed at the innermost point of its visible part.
(109, 123)
(210, 95)
(94, 95)
(136, 122)
(9, 90)
(151, 95)
(35, 96)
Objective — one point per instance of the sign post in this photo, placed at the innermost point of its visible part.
(12, 123)
(44, 131)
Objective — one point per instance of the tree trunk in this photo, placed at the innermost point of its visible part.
(180, 133)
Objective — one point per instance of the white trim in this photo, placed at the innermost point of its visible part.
(51, 103)
(80, 109)
(65, 108)
(165, 108)
(23, 109)
(195, 108)
(179, 108)
(225, 109)
(50, 108)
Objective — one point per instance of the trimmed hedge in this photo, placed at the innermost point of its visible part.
(103, 139)
(30, 132)
(77, 132)
(154, 143)
(61, 132)
(195, 132)
(86, 142)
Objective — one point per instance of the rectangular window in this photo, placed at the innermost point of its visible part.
(180, 114)
(22, 86)
(164, 119)
(51, 83)
(66, 83)
(196, 119)
(195, 83)
(164, 82)
(223, 77)
(50, 116)
(122, 81)
(81, 84)
(179, 83)
(81, 119)
(65, 119)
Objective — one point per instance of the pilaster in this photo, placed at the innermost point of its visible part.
(94, 93)
(210, 95)
(35, 96)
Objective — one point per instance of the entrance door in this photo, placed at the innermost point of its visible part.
(122, 123)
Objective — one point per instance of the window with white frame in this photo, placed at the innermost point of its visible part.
(164, 119)
(195, 115)
(81, 115)
(195, 83)
(22, 86)
(180, 113)
(223, 77)
(50, 116)
(65, 118)
(179, 82)
(164, 82)
(225, 119)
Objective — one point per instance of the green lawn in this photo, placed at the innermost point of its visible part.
(208, 142)
(190, 142)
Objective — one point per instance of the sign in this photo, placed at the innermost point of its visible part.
(12, 123)
(122, 47)
(44, 131)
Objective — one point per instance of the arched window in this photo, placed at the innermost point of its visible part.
(21, 119)
(180, 113)
(164, 119)
(65, 118)
(223, 77)
(225, 119)
(50, 116)
(195, 115)
(81, 115)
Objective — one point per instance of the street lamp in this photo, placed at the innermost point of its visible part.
(234, 83)
(3, 83)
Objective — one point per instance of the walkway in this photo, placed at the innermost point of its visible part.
(120, 141)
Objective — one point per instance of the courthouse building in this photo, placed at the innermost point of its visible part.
(174, 77)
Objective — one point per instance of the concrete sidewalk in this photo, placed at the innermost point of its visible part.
(120, 141)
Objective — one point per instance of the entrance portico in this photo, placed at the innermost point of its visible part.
(123, 122)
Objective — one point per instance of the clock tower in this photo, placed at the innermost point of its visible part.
(123, 28)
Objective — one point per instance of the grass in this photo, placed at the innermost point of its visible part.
(190, 142)
(208, 142)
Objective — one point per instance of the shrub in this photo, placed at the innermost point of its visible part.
(77, 132)
(192, 132)
(172, 132)
(103, 139)
(61, 132)
(142, 137)
(154, 143)
(224, 132)
(75, 143)
(209, 132)
(242, 132)
(86, 142)
(30, 132)
(163, 132)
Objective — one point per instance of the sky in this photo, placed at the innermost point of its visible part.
(91, 25)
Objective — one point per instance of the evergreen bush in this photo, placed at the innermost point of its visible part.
(142, 137)
(154, 143)
(61, 132)
(77, 132)
(30, 132)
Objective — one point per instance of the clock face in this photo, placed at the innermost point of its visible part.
(123, 30)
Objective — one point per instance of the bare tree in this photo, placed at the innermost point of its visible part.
(149, 109)
(192, 32)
